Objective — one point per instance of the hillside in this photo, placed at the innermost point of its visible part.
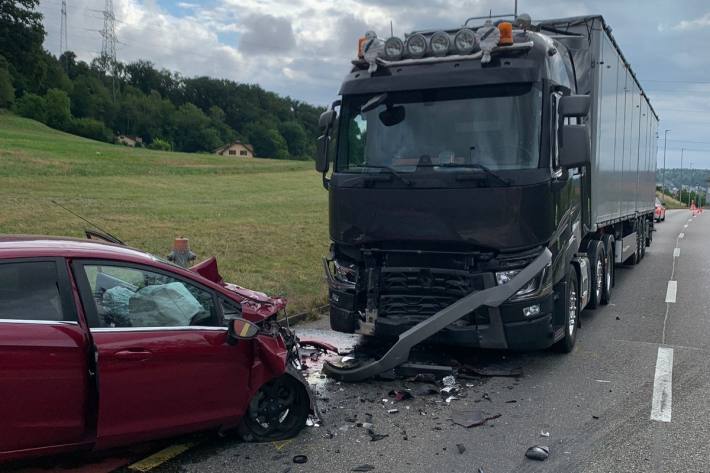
(265, 220)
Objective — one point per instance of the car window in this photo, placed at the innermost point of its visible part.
(230, 310)
(132, 297)
(30, 291)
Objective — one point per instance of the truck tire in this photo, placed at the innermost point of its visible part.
(571, 307)
(608, 243)
(636, 257)
(595, 251)
(644, 236)
(649, 234)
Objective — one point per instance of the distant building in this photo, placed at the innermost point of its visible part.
(237, 149)
(130, 140)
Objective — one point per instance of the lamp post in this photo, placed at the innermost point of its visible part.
(665, 140)
(682, 151)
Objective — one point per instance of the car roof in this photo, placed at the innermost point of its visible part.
(27, 246)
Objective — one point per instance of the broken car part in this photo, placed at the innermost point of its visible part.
(538, 452)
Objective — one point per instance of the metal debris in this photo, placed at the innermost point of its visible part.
(538, 452)
(460, 447)
(544, 434)
(300, 459)
(471, 417)
(365, 467)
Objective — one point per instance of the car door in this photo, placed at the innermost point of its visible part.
(164, 364)
(44, 380)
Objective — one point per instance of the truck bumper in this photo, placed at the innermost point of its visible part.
(505, 329)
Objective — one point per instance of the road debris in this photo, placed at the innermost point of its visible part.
(399, 395)
(544, 434)
(374, 437)
(460, 448)
(448, 381)
(471, 417)
(300, 459)
(538, 452)
(365, 467)
(392, 411)
(490, 372)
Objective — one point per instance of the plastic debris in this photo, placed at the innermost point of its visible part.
(544, 434)
(460, 447)
(393, 411)
(300, 459)
(471, 417)
(400, 395)
(374, 437)
(448, 381)
(538, 452)
(365, 467)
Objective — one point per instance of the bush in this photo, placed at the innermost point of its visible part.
(268, 143)
(90, 128)
(32, 106)
(160, 145)
(58, 109)
(7, 92)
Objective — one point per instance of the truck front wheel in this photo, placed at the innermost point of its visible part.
(571, 308)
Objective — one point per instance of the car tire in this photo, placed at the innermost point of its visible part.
(571, 308)
(282, 395)
(608, 243)
(595, 252)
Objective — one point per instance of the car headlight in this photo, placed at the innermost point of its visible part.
(416, 46)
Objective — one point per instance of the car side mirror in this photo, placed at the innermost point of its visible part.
(241, 329)
(574, 106)
(575, 147)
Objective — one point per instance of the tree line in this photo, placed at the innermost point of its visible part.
(102, 99)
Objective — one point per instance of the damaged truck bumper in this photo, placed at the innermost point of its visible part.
(492, 336)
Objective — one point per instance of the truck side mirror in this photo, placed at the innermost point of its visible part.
(574, 106)
(325, 122)
(326, 119)
(575, 147)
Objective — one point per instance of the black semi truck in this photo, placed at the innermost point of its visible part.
(461, 157)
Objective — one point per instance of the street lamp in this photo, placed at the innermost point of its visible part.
(665, 140)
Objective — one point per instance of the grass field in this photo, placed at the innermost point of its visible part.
(265, 220)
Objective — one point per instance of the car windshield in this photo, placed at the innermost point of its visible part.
(493, 126)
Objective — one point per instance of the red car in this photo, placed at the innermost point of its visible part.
(103, 345)
(660, 215)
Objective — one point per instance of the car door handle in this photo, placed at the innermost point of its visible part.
(133, 355)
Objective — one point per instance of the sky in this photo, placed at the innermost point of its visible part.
(303, 48)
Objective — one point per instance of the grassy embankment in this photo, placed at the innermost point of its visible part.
(265, 220)
(670, 202)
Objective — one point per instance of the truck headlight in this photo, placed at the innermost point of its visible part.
(504, 277)
(345, 273)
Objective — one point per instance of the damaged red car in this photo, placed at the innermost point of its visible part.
(103, 345)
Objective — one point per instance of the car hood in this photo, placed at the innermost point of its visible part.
(255, 305)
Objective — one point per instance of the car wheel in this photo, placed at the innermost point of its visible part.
(571, 307)
(608, 243)
(595, 252)
(277, 411)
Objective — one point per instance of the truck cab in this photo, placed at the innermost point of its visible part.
(450, 173)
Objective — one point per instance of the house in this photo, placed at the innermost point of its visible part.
(130, 140)
(236, 148)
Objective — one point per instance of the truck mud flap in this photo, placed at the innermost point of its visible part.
(399, 353)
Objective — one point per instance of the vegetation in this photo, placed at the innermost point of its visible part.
(265, 220)
(100, 99)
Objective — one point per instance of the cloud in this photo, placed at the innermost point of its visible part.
(266, 34)
(690, 25)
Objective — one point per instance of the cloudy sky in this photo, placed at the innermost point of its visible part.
(302, 48)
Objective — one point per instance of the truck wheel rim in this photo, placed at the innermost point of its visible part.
(572, 309)
(600, 279)
(607, 274)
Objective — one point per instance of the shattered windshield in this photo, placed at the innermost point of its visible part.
(493, 126)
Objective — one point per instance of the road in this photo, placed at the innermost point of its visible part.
(634, 395)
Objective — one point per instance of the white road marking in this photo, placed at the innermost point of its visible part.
(682, 235)
(690, 220)
(685, 226)
(676, 252)
(661, 404)
(671, 291)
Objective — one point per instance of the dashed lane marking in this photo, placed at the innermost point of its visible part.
(676, 252)
(671, 291)
(682, 235)
(662, 402)
(685, 226)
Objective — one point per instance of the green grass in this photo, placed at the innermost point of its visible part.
(265, 220)
(670, 202)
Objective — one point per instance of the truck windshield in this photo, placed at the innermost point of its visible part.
(496, 127)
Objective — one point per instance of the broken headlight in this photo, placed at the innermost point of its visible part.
(345, 273)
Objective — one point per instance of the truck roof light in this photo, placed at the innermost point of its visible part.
(416, 45)
(394, 48)
(465, 41)
(440, 43)
(506, 33)
(361, 47)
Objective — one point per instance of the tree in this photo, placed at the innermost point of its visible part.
(32, 106)
(268, 143)
(295, 137)
(7, 91)
(90, 128)
(193, 131)
(160, 144)
(21, 37)
(58, 109)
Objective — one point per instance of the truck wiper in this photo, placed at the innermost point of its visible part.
(485, 169)
(391, 171)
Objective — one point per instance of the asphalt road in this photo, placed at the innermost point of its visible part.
(634, 395)
(596, 403)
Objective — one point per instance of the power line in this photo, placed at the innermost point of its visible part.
(676, 81)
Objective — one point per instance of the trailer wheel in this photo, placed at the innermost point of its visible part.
(595, 251)
(649, 232)
(571, 307)
(644, 236)
(636, 257)
(610, 261)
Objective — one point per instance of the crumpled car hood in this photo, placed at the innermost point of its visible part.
(255, 305)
